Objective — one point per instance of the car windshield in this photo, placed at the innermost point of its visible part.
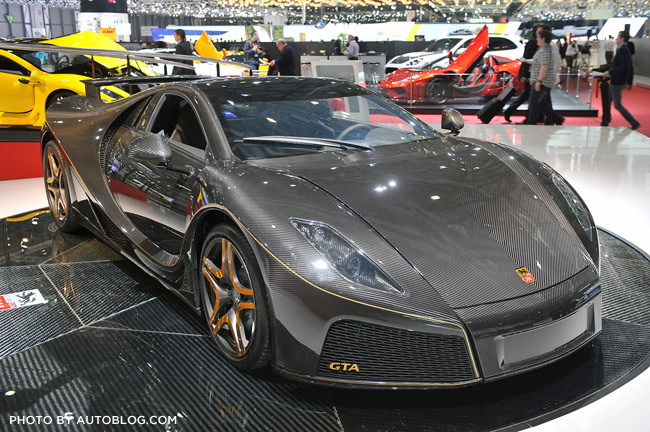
(439, 63)
(51, 61)
(311, 113)
(71, 63)
(442, 45)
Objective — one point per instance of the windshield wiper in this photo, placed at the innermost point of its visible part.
(304, 140)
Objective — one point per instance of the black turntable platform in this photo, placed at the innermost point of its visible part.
(109, 343)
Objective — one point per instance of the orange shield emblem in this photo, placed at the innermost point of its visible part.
(525, 275)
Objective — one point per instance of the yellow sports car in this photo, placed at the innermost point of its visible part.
(31, 81)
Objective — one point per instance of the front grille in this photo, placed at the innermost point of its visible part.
(393, 355)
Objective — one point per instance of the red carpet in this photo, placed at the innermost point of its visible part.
(20, 160)
(636, 101)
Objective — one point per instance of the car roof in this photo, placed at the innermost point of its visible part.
(274, 88)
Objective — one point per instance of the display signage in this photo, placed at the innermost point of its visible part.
(108, 33)
(115, 6)
(21, 299)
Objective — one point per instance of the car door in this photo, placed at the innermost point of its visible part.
(16, 91)
(157, 197)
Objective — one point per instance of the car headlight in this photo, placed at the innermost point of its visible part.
(414, 61)
(575, 204)
(348, 260)
(407, 79)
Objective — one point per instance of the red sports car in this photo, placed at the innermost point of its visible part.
(469, 75)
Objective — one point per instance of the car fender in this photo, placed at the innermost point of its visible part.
(263, 211)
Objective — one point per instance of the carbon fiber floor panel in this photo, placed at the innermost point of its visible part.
(116, 373)
(161, 314)
(27, 326)
(146, 353)
(98, 289)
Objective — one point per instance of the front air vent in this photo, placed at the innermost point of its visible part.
(385, 354)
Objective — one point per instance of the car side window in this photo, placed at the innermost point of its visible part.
(500, 44)
(177, 120)
(463, 47)
(10, 66)
(508, 44)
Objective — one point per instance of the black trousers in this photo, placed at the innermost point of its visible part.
(607, 106)
(540, 103)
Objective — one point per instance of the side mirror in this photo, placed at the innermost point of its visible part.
(452, 120)
(152, 148)
(33, 79)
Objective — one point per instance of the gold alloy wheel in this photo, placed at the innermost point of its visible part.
(228, 296)
(56, 191)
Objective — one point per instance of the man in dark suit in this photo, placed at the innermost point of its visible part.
(183, 47)
(286, 61)
(621, 73)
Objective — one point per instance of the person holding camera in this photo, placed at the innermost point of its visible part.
(252, 51)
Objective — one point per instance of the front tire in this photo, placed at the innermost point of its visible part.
(55, 174)
(438, 91)
(233, 298)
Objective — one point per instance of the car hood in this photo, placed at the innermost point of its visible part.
(459, 213)
(408, 56)
(398, 77)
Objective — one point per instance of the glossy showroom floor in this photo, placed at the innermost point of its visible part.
(110, 341)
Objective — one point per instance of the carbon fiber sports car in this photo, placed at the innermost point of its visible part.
(323, 230)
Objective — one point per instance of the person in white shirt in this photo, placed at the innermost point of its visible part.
(352, 51)
(571, 53)
(608, 46)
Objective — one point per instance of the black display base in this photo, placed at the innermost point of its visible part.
(110, 341)
(563, 103)
(16, 134)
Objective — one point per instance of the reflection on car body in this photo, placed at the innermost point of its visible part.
(31, 81)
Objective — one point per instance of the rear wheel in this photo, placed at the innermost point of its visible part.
(438, 91)
(57, 96)
(57, 188)
(233, 298)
